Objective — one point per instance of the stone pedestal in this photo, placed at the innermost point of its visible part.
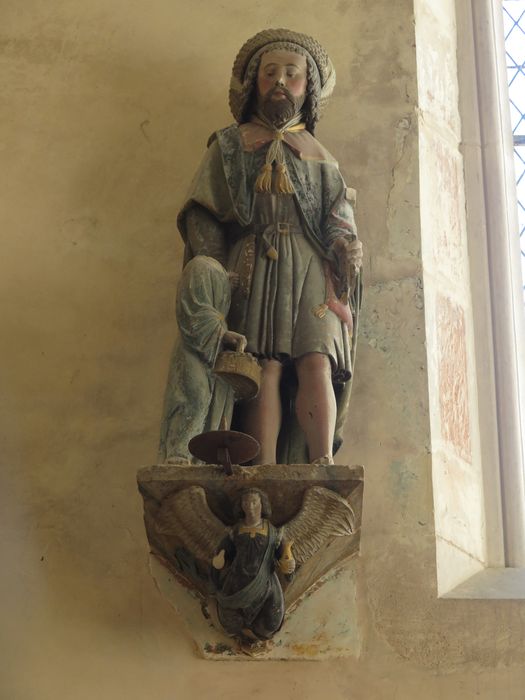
(320, 617)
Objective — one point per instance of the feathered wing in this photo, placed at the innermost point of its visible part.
(324, 515)
(187, 516)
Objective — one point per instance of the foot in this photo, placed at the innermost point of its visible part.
(325, 459)
(178, 461)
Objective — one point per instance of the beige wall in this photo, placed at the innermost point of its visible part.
(107, 108)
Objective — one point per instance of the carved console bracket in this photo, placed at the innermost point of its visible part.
(315, 520)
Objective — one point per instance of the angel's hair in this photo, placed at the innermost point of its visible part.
(266, 509)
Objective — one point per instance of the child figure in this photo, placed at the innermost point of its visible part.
(196, 400)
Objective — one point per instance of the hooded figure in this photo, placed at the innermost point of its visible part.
(196, 400)
(270, 204)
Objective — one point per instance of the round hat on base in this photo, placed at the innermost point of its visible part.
(225, 447)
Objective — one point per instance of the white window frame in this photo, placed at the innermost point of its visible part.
(499, 324)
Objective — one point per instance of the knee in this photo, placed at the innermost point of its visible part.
(313, 363)
(271, 370)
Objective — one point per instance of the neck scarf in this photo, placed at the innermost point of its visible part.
(283, 184)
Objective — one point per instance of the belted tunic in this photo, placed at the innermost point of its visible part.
(279, 244)
(279, 303)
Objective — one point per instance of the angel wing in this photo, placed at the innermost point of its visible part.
(324, 515)
(187, 516)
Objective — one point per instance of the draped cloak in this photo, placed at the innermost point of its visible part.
(221, 213)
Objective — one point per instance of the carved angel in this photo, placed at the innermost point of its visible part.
(243, 560)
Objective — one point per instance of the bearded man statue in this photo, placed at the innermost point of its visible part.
(269, 203)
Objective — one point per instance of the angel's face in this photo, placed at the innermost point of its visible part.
(252, 507)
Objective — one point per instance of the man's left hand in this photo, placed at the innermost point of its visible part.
(347, 261)
(350, 251)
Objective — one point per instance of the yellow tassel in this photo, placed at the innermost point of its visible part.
(272, 253)
(264, 180)
(283, 184)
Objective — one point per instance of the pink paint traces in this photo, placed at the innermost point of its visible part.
(453, 378)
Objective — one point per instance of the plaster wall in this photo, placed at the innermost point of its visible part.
(107, 107)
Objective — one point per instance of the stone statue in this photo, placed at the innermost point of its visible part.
(196, 400)
(240, 571)
(271, 271)
(250, 600)
(269, 203)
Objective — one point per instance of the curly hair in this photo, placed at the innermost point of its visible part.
(320, 73)
(310, 108)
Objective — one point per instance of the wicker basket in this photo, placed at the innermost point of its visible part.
(241, 370)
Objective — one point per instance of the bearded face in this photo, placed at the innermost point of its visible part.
(279, 105)
(281, 85)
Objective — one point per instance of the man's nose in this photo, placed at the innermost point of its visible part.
(280, 79)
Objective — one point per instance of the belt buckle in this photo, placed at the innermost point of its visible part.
(283, 228)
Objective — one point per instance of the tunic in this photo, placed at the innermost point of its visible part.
(281, 247)
(278, 305)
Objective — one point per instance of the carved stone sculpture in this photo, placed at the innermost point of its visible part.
(272, 267)
(270, 205)
(247, 566)
(196, 399)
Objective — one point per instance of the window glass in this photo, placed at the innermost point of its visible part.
(514, 25)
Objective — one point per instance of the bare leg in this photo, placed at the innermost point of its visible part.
(315, 404)
(262, 415)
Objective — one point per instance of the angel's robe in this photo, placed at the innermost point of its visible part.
(196, 400)
(280, 246)
(249, 594)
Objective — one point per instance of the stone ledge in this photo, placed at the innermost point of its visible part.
(491, 584)
(284, 483)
